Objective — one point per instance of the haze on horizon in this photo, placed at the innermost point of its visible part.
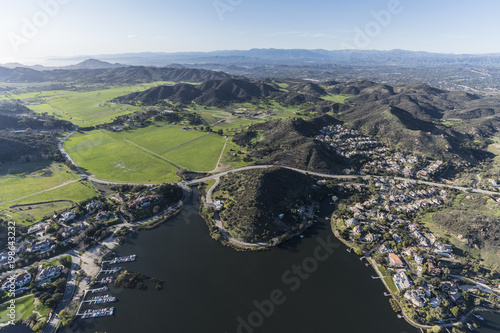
(36, 29)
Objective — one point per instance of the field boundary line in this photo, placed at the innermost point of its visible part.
(221, 154)
(155, 154)
(49, 189)
(182, 144)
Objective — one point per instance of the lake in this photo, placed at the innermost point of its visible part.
(307, 285)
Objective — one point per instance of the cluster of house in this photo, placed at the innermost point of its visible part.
(430, 169)
(350, 143)
(363, 221)
(48, 273)
(41, 246)
(143, 201)
(20, 280)
(41, 226)
(408, 199)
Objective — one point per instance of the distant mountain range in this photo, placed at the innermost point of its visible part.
(255, 57)
(86, 64)
(96, 72)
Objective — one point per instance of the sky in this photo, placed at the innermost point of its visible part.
(34, 29)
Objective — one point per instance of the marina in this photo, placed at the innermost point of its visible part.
(99, 290)
(101, 299)
(104, 281)
(98, 313)
(119, 260)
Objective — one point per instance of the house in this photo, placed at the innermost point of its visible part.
(40, 245)
(219, 205)
(103, 216)
(370, 238)
(67, 216)
(397, 238)
(357, 229)
(417, 297)
(93, 206)
(20, 280)
(36, 228)
(435, 302)
(49, 273)
(418, 259)
(455, 295)
(394, 260)
(384, 249)
(73, 231)
(401, 280)
(351, 222)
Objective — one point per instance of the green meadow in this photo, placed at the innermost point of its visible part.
(34, 177)
(83, 108)
(35, 207)
(201, 154)
(24, 307)
(145, 155)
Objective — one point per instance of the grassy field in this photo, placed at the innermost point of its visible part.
(86, 108)
(31, 210)
(200, 155)
(145, 155)
(24, 307)
(18, 181)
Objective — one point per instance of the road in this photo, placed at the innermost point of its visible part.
(68, 294)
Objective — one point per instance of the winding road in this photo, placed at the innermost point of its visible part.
(53, 322)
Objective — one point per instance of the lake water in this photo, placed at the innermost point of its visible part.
(306, 286)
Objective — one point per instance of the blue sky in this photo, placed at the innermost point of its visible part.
(41, 28)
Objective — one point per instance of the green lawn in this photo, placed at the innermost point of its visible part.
(388, 279)
(32, 212)
(87, 108)
(145, 155)
(199, 155)
(123, 161)
(29, 178)
(160, 141)
(24, 307)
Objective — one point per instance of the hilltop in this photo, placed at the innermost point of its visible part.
(209, 93)
(257, 198)
(290, 143)
(104, 75)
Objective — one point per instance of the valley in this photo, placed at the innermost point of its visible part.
(394, 160)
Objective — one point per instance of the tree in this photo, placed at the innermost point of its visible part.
(454, 311)
(358, 251)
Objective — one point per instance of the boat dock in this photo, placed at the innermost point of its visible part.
(101, 299)
(99, 290)
(110, 270)
(119, 260)
(98, 313)
(103, 281)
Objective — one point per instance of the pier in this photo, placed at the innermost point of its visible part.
(101, 299)
(110, 270)
(119, 260)
(98, 313)
(103, 281)
(98, 290)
